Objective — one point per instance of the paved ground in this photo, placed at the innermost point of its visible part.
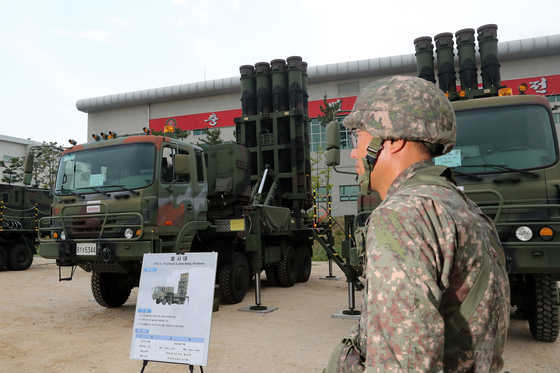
(52, 326)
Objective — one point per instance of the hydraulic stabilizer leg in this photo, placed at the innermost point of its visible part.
(351, 301)
(257, 306)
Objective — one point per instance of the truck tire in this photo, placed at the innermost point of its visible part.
(20, 257)
(271, 272)
(543, 318)
(304, 263)
(3, 258)
(234, 279)
(288, 267)
(108, 289)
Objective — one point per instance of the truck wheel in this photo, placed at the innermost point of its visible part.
(288, 267)
(109, 289)
(272, 275)
(543, 318)
(234, 279)
(304, 263)
(3, 258)
(20, 258)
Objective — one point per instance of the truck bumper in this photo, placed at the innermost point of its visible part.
(533, 259)
(105, 251)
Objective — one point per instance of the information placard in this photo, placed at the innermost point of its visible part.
(174, 308)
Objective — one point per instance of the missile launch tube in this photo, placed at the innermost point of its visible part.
(425, 58)
(467, 60)
(488, 47)
(446, 63)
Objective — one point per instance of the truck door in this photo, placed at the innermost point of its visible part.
(175, 203)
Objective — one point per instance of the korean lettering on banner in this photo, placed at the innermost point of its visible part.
(540, 86)
(212, 119)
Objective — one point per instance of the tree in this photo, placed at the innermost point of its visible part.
(177, 133)
(212, 137)
(45, 166)
(321, 174)
(329, 111)
(13, 170)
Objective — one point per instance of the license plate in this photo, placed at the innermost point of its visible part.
(86, 248)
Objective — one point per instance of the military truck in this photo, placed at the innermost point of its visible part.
(20, 211)
(506, 159)
(120, 197)
(166, 294)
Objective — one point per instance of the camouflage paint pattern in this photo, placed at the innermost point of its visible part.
(424, 254)
(164, 211)
(405, 107)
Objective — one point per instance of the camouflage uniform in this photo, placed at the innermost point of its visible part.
(425, 249)
(424, 254)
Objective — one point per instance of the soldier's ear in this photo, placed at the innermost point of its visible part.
(394, 146)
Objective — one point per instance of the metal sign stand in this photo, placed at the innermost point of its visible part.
(145, 362)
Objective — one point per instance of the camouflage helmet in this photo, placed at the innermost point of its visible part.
(405, 107)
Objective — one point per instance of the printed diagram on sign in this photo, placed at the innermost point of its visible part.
(166, 294)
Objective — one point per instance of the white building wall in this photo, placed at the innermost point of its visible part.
(14, 147)
(122, 121)
(530, 67)
(131, 120)
(195, 106)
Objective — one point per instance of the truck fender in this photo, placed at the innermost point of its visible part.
(184, 239)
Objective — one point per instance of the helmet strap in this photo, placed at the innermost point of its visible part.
(372, 150)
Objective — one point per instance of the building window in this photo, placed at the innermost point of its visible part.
(8, 158)
(316, 136)
(555, 103)
(348, 193)
(348, 88)
(320, 194)
(198, 132)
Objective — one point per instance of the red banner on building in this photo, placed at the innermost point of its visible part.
(539, 85)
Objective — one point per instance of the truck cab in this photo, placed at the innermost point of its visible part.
(506, 159)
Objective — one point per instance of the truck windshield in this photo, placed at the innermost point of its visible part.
(105, 169)
(515, 137)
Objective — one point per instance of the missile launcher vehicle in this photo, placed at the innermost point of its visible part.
(166, 294)
(506, 159)
(120, 197)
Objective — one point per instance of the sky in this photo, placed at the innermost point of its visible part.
(54, 53)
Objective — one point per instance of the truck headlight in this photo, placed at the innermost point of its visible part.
(62, 235)
(524, 233)
(128, 233)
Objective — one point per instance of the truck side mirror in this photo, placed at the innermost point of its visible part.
(182, 164)
(332, 143)
(28, 169)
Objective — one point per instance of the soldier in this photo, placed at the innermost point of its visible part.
(437, 292)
